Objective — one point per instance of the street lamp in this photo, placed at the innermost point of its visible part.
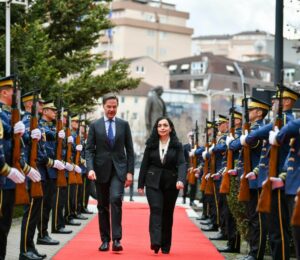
(7, 30)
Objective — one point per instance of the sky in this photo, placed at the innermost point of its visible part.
(210, 17)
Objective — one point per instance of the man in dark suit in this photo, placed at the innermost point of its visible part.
(110, 162)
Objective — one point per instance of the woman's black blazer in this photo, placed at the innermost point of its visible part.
(173, 168)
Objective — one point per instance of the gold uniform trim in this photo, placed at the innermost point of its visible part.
(254, 104)
(5, 170)
(50, 163)
(26, 169)
(8, 83)
(287, 94)
(27, 224)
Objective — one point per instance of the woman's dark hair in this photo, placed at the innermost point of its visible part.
(153, 140)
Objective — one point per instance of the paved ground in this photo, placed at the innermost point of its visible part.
(14, 235)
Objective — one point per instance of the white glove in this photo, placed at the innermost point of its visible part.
(251, 176)
(58, 165)
(229, 139)
(69, 167)
(70, 139)
(210, 150)
(276, 182)
(192, 152)
(207, 176)
(34, 175)
(243, 138)
(216, 176)
(36, 134)
(272, 136)
(16, 176)
(62, 134)
(79, 147)
(232, 172)
(204, 155)
(77, 169)
(19, 128)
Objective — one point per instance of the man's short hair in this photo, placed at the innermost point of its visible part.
(109, 96)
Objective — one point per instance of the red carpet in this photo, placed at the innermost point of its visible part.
(188, 241)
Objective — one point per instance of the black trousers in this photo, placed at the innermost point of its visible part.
(79, 199)
(278, 224)
(214, 206)
(290, 199)
(257, 233)
(49, 190)
(30, 220)
(205, 209)
(7, 207)
(86, 189)
(234, 238)
(59, 200)
(70, 204)
(109, 196)
(162, 204)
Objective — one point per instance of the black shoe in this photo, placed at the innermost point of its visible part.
(79, 216)
(228, 249)
(219, 236)
(104, 246)
(38, 253)
(210, 228)
(117, 246)
(62, 231)
(205, 222)
(155, 248)
(165, 250)
(86, 211)
(71, 222)
(131, 199)
(203, 217)
(183, 201)
(30, 256)
(46, 240)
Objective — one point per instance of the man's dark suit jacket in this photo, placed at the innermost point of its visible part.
(100, 156)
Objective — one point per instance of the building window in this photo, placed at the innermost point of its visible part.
(235, 86)
(122, 99)
(289, 75)
(198, 68)
(151, 33)
(265, 76)
(149, 17)
(139, 69)
(179, 84)
(184, 68)
(134, 116)
(172, 68)
(150, 51)
(162, 52)
(162, 35)
(230, 69)
(198, 83)
(136, 99)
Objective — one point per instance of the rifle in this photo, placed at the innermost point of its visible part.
(22, 196)
(61, 180)
(225, 184)
(36, 187)
(77, 156)
(193, 163)
(206, 162)
(265, 198)
(296, 212)
(244, 192)
(209, 189)
(72, 176)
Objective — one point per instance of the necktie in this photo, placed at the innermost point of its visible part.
(110, 134)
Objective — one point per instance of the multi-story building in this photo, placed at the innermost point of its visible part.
(244, 46)
(147, 28)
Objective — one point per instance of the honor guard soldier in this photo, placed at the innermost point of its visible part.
(13, 176)
(31, 214)
(290, 175)
(257, 112)
(232, 234)
(278, 220)
(50, 170)
(77, 150)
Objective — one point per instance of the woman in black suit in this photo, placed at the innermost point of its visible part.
(163, 172)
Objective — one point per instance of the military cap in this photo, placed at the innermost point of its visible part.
(209, 124)
(255, 103)
(30, 96)
(237, 115)
(286, 93)
(222, 119)
(75, 118)
(7, 81)
(49, 104)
